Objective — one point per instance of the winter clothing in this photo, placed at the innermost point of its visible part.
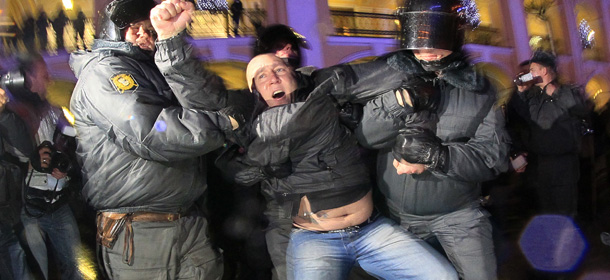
(552, 141)
(142, 154)
(471, 128)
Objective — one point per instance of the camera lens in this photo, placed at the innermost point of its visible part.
(13, 80)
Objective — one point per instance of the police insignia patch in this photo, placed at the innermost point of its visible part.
(123, 82)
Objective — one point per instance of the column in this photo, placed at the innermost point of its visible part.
(311, 18)
(519, 29)
(571, 34)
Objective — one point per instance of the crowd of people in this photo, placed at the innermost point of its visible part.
(34, 32)
(354, 171)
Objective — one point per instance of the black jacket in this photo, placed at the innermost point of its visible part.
(325, 159)
(552, 132)
(469, 124)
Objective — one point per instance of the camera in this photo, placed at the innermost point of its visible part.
(520, 80)
(14, 81)
(59, 160)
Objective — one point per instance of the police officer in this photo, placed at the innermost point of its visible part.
(141, 150)
(450, 139)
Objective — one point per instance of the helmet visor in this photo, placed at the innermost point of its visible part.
(429, 30)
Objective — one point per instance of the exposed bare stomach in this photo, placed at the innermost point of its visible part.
(332, 219)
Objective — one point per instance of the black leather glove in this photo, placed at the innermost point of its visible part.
(279, 171)
(235, 170)
(342, 76)
(240, 106)
(423, 96)
(416, 144)
(251, 175)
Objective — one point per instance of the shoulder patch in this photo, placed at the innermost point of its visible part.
(123, 82)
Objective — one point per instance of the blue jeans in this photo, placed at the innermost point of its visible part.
(12, 257)
(57, 230)
(382, 248)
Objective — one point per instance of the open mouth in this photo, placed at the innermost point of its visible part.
(278, 94)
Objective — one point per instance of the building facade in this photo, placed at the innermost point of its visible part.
(339, 31)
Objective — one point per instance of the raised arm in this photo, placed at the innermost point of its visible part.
(193, 86)
(360, 82)
(151, 130)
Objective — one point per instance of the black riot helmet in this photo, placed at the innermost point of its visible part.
(431, 24)
(276, 36)
(119, 14)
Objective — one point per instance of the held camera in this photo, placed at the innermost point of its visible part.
(14, 81)
(59, 160)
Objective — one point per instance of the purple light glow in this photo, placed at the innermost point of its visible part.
(160, 126)
(553, 243)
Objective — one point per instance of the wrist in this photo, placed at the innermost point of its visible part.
(165, 36)
(171, 36)
(440, 161)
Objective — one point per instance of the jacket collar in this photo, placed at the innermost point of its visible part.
(456, 70)
(122, 48)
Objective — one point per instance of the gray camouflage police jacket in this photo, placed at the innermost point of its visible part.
(140, 150)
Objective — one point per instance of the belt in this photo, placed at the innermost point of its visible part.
(109, 224)
(368, 221)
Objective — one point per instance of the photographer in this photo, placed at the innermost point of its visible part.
(14, 142)
(46, 215)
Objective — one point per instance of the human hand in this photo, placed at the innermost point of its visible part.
(45, 157)
(423, 96)
(519, 163)
(171, 17)
(417, 145)
(58, 174)
(404, 167)
(523, 86)
(3, 100)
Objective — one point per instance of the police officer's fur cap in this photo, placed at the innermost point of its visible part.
(545, 59)
(124, 12)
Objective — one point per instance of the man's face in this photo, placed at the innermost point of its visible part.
(431, 54)
(273, 79)
(537, 70)
(38, 79)
(141, 34)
